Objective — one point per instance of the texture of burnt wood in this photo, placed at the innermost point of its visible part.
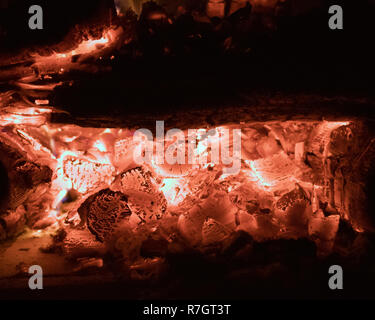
(241, 107)
(103, 212)
(300, 56)
(59, 18)
(144, 198)
(352, 169)
(22, 177)
(78, 243)
(13, 223)
(291, 197)
(280, 80)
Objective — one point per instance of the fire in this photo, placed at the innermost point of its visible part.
(87, 46)
(41, 102)
(100, 146)
(173, 190)
(86, 161)
(274, 172)
(257, 176)
(61, 62)
(24, 115)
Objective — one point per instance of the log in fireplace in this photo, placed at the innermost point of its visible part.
(241, 91)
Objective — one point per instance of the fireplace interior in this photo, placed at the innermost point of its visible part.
(74, 201)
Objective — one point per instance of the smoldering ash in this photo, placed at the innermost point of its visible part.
(192, 146)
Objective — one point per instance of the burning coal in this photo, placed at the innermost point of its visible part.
(203, 147)
(283, 188)
(89, 193)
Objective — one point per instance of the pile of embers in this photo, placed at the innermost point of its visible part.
(296, 198)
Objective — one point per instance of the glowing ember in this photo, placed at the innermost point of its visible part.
(86, 161)
(275, 171)
(41, 102)
(100, 146)
(173, 190)
(62, 62)
(84, 174)
(24, 115)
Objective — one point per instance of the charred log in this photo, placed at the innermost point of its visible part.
(59, 19)
(352, 173)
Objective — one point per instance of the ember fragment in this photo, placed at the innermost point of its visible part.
(149, 269)
(317, 148)
(103, 212)
(214, 232)
(136, 178)
(23, 176)
(144, 198)
(79, 243)
(352, 154)
(274, 171)
(190, 225)
(288, 199)
(261, 227)
(85, 263)
(299, 153)
(13, 222)
(86, 175)
(323, 230)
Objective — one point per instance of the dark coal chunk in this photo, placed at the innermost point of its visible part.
(288, 199)
(32, 173)
(19, 176)
(103, 212)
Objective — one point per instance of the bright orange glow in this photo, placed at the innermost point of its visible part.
(173, 190)
(24, 115)
(87, 160)
(258, 176)
(100, 146)
(61, 62)
(41, 102)
(17, 119)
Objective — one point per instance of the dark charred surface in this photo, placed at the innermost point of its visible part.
(59, 18)
(103, 211)
(299, 69)
(282, 269)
